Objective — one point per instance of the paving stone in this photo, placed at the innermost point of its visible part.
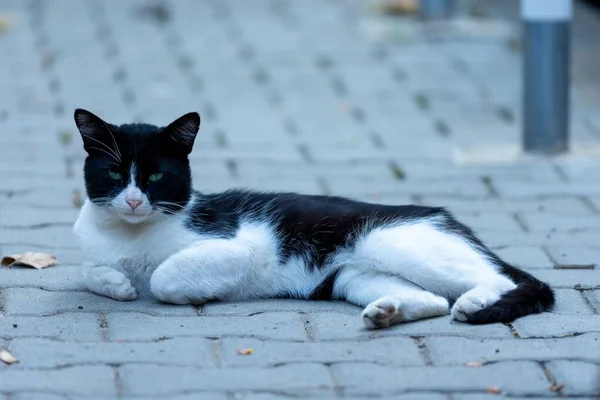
(514, 190)
(513, 378)
(54, 236)
(546, 206)
(528, 257)
(392, 351)
(36, 353)
(460, 351)
(71, 327)
(28, 217)
(250, 308)
(335, 326)
(81, 380)
(537, 222)
(580, 378)
(570, 278)
(548, 325)
(161, 380)
(593, 296)
(27, 301)
(570, 301)
(141, 327)
(59, 277)
(574, 256)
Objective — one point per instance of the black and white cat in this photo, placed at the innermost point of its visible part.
(144, 230)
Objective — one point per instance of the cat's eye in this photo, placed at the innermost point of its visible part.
(115, 175)
(155, 177)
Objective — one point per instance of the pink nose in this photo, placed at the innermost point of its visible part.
(134, 204)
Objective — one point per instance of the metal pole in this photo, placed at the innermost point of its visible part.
(436, 9)
(546, 71)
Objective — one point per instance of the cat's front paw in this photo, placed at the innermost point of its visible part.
(110, 283)
(381, 313)
(169, 288)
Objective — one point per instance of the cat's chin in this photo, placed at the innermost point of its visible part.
(135, 218)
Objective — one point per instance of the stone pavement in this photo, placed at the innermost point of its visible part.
(318, 96)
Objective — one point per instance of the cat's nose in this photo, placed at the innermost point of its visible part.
(134, 204)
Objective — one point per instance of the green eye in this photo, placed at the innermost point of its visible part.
(155, 177)
(115, 175)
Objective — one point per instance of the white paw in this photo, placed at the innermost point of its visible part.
(469, 303)
(381, 313)
(111, 283)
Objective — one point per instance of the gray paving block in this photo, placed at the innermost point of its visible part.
(515, 190)
(580, 378)
(548, 325)
(568, 206)
(335, 326)
(27, 301)
(142, 327)
(249, 308)
(513, 378)
(593, 296)
(72, 327)
(574, 256)
(392, 351)
(54, 237)
(570, 278)
(86, 380)
(542, 223)
(36, 353)
(496, 222)
(59, 277)
(460, 351)
(570, 301)
(143, 380)
(529, 257)
(23, 217)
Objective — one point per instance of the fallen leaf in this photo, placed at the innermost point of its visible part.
(493, 390)
(245, 352)
(77, 199)
(400, 6)
(5, 22)
(474, 364)
(30, 259)
(7, 358)
(557, 387)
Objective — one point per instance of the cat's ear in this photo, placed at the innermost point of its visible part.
(92, 129)
(183, 131)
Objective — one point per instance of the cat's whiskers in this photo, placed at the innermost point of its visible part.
(112, 152)
(113, 140)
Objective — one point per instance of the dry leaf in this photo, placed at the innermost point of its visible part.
(400, 6)
(245, 352)
(5, 23)
(493, 390)
(7, 358)
(30, 259)
(474, 364)
(77, 199)
(557, 387)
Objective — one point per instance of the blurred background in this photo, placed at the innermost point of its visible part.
(368, 99)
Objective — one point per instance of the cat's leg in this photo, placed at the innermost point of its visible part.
(211, 269)
(387, 299)
(109, 282)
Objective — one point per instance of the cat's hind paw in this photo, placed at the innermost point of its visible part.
(472, 302)
(111, 283)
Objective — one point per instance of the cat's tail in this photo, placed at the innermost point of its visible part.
(531, 296)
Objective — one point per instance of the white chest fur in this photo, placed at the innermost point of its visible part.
(135, 248)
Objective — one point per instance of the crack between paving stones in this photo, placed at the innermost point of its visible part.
(423, 350)
(550, 378)
(310, 335)
(103, 322)
(118, 381)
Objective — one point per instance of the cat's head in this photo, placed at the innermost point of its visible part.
(138, 171)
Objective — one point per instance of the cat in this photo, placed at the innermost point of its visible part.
(145, 231)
